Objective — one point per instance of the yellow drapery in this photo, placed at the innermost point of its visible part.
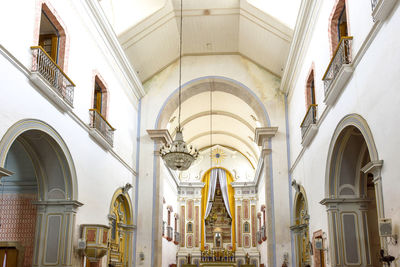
(231, 198)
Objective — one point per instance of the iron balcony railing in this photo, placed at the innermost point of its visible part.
(340, 57)
(310, 118)
(51, 72)
(373, 4)
(98, 122)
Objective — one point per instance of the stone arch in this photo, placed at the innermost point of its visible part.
(202, 84)
(52, 222)
(361, 124)
(28, 129)
(353, 191)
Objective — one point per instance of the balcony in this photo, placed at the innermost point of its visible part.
(51, 80)
(101, 129)
(308, 125)
(381, 9)
(339, 70)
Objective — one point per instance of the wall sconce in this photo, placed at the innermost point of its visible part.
(296, 186)
(141, 256)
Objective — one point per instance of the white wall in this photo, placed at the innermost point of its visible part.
(372, 92)
(99, 172)
(170, 194)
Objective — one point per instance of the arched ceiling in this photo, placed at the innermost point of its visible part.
(227, 27)
(229, 122)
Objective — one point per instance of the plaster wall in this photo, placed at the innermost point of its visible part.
(260, 201)
(371, 92)
(261, 82)
(170, 194)
(99, 172)
(87, 54)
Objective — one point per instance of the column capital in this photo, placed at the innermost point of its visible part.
(373, 167)
(262, 134)
(160, 135)
(5, 172)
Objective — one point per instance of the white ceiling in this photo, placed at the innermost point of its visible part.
(209, 27)
(233, 123)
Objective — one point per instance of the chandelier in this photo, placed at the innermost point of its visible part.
(178, 155)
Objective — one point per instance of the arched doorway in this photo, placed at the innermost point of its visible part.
(120, 253)
(39, 196)
(353, 197)
(301, 229)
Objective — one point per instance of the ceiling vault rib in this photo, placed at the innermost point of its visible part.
(216, 112)
(197, 136)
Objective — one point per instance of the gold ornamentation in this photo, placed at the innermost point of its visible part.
(218, 155)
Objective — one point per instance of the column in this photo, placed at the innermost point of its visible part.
(262, 138)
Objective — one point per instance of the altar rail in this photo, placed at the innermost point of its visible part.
(218, 256)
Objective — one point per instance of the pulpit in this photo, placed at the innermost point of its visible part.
(96, 237)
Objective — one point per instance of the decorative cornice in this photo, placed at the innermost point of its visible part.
(327, 201)
(160, 136)
(373, 167)
(111, 41)
(263, 133)
(4, 172)
(242, 184)
(301, 38)
(191, 185)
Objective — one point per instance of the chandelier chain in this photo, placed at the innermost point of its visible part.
(180, 66)
(211, 125)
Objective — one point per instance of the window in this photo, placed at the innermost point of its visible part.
(52, 36)
(310, 90)
(100, 96)
(48, 37)
(338, 27)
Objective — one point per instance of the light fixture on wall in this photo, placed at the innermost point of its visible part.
(178, 155)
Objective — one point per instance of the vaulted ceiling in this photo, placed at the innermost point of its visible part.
(209, 27)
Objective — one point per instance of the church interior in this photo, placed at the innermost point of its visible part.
(184, 133)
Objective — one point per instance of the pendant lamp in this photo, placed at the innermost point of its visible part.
(178, 155)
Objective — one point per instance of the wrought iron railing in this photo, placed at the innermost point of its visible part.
(51, 72)
(170, 232)
(373, 4)
(341, 56)
(98, 122)
(310, 118)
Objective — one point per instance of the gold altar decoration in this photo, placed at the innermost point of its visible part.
(231, 198)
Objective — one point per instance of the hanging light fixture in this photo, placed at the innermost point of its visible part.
(178, 155)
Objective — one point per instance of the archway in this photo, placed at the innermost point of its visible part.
(301, 229)
(39, 194)
(353, 194)
(120, 217)
(217, 92)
